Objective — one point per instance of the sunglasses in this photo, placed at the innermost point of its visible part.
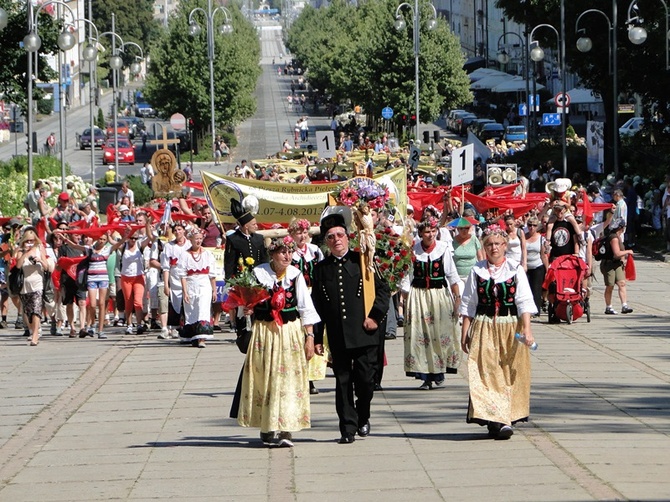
(531, 225)
(338, 235)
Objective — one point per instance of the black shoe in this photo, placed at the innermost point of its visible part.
(83, 333)
(626, 310)
(18, 324)
(505, 432)
(155, 325)
(426, 386)
(401, 321)
(378, 387)
(364, 429)
(26, 332)
(313, 390)
(494, 429)
(54, 329)
(141, 328)
(3, 324)
(216, 327)
(389, 336)
(347, 438)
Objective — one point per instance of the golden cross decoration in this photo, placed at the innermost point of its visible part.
(165, 141)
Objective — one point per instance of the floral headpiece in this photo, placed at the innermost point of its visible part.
(435, 211)
(281, 242)
(495, 230)
(430, 222)
(299, 225)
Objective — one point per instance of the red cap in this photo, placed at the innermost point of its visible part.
(63, 196)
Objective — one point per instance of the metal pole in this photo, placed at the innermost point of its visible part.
(563, 115)
(115, 104)
(416, 69)
(615, 98)
(61, 114)
(210, 55)
(30, 104)
(91, 71)
(524, 62)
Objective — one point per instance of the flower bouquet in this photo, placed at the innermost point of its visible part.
(244, 290)
(362, 190)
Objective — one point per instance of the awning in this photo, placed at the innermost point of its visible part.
(473, 63)
(516, 84)
(490, 82)
(483, 73)
(582, 97)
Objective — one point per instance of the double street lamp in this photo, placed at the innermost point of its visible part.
(400, 25)
(195, 29)
(584, 44)
(537, 55)
(504, 58)
(32, 43)
(637, 34)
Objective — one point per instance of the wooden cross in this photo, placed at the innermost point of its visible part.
(165, 141)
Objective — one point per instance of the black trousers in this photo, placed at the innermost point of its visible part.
(354, 371)
(535, 280)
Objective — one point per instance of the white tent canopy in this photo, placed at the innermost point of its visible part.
(483, 73)
(516, 84)
(490, 82)
(582, 97)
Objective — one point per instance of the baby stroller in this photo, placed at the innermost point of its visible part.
(567, 300)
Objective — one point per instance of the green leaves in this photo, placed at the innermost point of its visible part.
(179, 80)
(356, 53)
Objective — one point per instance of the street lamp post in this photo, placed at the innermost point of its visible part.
(537, 55)
(32, 44)
(400, 25)
(638, 34)
(195, 30)
(584, 44)
(503, 58)
(115, 63)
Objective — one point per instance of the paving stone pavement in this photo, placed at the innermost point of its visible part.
(141, 419)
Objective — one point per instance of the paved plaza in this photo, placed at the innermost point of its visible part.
(137, 418)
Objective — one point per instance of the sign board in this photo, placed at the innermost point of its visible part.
(414, 156)
(562, 99)
(551, 119)
(462, 165)
(559, 110)
(178, 122)
(626, 108)
(387, 113)
(523, 110)
(325, 141)
(534, 102)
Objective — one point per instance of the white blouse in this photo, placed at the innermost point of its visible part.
(442, 250)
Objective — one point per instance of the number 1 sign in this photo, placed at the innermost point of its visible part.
(325, 141)
(462, 165)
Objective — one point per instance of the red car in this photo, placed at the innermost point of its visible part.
(126, 152)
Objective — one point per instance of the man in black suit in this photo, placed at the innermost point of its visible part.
(353, 334)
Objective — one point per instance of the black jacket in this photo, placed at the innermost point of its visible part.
(337, 292)
(239, 246)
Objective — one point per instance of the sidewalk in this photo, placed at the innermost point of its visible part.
(136, 418)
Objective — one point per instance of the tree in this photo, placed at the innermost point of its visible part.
(134, 22)
(178, 79)
(13, 58)
(640, 68)
(354, 52)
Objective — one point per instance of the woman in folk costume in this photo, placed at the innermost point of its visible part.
(198, 284)
(497, 303)
(169, 259)
(432, 345)
(305, 256)
(275, 394)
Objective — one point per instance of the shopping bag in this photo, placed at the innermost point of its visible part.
(630, 269)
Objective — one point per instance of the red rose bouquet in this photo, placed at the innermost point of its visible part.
(244, 290)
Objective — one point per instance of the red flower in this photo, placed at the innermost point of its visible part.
(403, 252)
(387, 230)
(389, 254)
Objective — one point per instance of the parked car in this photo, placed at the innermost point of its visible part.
(455, 121)
(477, 124)
(85, 138)
(493, 131)
(142, 108)
(631, 126)
(451, 116)
(516, 133)
(126, 152)
(122, 129)
(465, 122)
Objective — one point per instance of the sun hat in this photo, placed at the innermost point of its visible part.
(123, 207)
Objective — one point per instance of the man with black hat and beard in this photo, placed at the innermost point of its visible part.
(243, 243)
(353, 334)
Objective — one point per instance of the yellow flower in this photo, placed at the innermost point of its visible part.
(249, 261)
(240, 262)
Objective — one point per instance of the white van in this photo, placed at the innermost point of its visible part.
(631, 126)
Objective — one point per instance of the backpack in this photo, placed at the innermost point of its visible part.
(599, 248)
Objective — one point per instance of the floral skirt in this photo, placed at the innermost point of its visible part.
(275, 385)
(32, 304)
(498, 372)
(432, 338)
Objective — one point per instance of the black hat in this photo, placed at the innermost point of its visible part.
(331, 221)
(243, 217)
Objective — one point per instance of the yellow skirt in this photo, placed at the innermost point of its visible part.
(275, 384)
(498, 372)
